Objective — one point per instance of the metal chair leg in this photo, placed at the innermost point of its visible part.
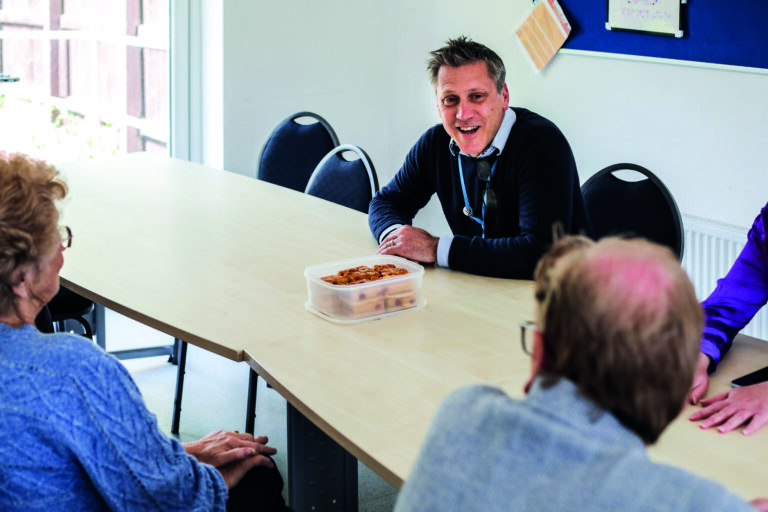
(181, 359)
(173, 357)
(99, 320)
(250, 411)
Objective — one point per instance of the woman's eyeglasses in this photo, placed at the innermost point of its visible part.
(66, 236)
(526, 336)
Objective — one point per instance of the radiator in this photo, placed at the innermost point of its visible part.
(710, 249)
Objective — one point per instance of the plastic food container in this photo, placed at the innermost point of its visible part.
(372, 299)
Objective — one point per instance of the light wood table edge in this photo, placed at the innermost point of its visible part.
(389, 476)
(149, 321)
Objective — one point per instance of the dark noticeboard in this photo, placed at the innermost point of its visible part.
(716, 32)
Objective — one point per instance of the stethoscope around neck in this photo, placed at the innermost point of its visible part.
(484, 173)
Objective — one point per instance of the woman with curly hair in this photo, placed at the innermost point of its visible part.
(74, 431)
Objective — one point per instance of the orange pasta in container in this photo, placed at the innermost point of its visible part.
(364, 288)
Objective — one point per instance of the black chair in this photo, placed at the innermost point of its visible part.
(643, 208)
(351, 183)
(66, 306)
(293, 150)
(43, 321)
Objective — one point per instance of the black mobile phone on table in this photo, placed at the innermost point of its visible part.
(755, 377)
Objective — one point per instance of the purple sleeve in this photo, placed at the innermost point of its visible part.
(738, 296)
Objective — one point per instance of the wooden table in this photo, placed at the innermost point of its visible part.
(738, 462)
(217, 259)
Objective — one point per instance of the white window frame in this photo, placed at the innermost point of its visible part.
(196, 81)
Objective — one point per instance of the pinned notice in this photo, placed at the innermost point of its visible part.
(651, 16)
(543, 32)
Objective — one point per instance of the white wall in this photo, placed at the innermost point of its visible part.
(360, 64)
(211, 110)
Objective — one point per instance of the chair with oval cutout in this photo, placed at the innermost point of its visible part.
(293, 150)
(351, 183)
(633, 208)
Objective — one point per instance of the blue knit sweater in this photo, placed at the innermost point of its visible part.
(76, 435)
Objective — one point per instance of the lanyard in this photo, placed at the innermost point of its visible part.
(467, 209)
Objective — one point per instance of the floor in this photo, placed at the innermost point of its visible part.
(215, 392)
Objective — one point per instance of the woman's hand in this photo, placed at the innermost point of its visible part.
(730, 410)
(700, 380)
(232, 453)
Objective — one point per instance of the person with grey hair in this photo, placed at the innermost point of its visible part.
(503, 175)
(613, 352)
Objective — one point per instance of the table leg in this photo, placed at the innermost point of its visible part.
(181, 360)
(322, 476)
(250, 409)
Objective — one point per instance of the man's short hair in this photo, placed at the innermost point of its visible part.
(621, 320)
(462, 50)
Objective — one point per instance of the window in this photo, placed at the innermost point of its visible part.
(93, 77)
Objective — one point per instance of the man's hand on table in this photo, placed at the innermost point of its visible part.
(232, 453)
(409, 242)
(700, 380)
(733, 408)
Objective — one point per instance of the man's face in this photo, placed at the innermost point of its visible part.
(469, 105)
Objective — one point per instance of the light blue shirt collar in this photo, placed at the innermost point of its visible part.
(498, 142)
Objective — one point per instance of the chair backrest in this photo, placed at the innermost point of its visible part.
(643, 208)
(67, 305)
(348, 183)
(293, 150)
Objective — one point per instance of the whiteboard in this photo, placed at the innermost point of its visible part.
(651, 16)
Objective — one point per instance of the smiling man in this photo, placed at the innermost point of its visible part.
(503, 175)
